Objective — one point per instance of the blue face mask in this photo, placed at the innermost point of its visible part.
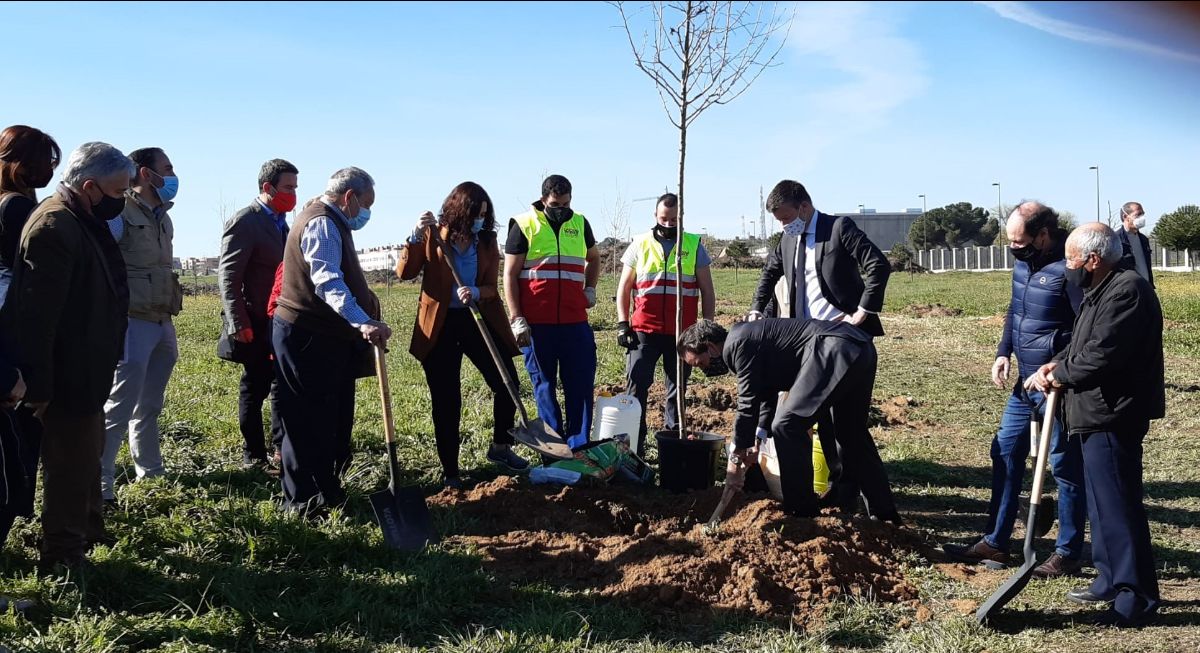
(170, 188)
(477, 225)
(359, 221)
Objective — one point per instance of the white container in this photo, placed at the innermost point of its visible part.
(617, 415)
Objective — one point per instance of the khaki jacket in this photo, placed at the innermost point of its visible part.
(154, 290)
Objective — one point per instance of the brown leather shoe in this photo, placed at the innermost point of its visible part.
(978, 552)
(1057, 566)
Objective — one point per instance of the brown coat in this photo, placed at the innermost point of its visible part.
(437, 286)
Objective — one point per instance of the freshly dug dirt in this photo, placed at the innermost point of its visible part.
(931, 310)
(644, 545)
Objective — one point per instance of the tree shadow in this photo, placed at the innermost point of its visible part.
(922, 471)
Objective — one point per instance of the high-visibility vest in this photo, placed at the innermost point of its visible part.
(552, 279)
(654, 290)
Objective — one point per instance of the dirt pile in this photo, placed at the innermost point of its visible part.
(930, 310)
(650, 547)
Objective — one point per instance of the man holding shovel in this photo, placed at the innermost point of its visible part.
(551, 267)
(1038, 325)
(824, 366)
(1113, 373)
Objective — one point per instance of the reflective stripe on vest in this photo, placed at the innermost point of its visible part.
(553, 275)
(654, 289)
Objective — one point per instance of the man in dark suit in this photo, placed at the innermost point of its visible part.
(251, 250)
(824, 366)
(1113, 374)
(822, 280)
(65, 316)
(1135, 247)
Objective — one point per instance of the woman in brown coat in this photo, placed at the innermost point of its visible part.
(445, 330)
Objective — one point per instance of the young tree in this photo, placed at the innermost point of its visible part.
(701, 54)
(1180, 230)
(617, 218)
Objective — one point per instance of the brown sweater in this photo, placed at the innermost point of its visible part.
(298, 300)
(437, 285)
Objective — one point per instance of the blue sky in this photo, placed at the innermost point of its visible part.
(871, 103)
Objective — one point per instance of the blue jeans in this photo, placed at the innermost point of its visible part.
(568, 350)
(1009, 450)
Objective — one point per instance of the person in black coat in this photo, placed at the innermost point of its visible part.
(1114, 380)
(838, 274)
(1135, 247)
(824, 366)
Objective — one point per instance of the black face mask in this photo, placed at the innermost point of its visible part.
(559, 213)
(665, 233)
(1026, 253)
(109, 207)
(1080, 276)
(716, 366)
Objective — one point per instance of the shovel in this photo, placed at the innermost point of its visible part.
(531, 432)
(400, 511)
(1048, 510)
(714, 522)
(1019, 580)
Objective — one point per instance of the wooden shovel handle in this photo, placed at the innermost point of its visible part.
(385, 394)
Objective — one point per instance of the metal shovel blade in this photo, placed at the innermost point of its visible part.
(404, 518)
(1006, 592)
(542, 438)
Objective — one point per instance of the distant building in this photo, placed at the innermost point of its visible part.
(379, 258)
(176, 264)
(885, 229)
(202, 266)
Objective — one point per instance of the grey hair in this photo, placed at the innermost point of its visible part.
(696, 337)
(96, 161)
(1099, 240)
(355, 179)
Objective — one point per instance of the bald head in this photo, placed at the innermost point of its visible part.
(1026, 224)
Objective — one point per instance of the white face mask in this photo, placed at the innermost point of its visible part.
(1139, 222)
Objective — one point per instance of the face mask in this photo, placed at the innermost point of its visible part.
(169, 189)
(1026, 253)
(559, 213)
(1080, 276)
(477, 225)
(716, 366)
(665, 233)
(108, 207)
(1139, 222)
(35, 180)
(794, 228)
(283, 202)
(359, 221)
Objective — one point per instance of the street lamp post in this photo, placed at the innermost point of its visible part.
(1097, 169)
(924, 224)
(860, 208)
(999, 206)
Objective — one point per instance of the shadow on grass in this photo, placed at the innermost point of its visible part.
(922, 471)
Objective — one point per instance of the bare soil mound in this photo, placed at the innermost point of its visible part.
(931, 310)
(649, 546)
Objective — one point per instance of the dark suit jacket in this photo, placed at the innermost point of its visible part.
(841, 249)
(66, 312)
(1127, 252)
(251, 249)
(806, 357)
(436, 286)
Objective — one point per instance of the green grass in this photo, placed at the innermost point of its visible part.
(204, 563)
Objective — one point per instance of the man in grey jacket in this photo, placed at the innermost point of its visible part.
(251, 252)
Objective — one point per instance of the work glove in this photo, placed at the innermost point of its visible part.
(754, 315)
(626, 337)
(520, 329)
(590, 293)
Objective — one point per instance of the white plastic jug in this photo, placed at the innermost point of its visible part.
(615, 415)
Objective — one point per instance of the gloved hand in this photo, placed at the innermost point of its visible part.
(626, 337)
(754, 315)
(590, 293)
(418, 233)
(521, 332)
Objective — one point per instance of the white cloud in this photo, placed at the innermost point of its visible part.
(882, 70)
(1026, 15)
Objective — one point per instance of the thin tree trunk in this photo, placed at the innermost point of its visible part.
(683, 116)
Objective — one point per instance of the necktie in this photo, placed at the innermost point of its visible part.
(800, 305)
